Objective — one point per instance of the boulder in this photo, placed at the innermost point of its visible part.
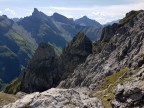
(57, 98)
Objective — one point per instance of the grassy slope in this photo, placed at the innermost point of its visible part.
(6, 98)
(105, 91)
(14, 87)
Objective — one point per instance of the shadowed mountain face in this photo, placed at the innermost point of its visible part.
(41, 73)
(46, 70)
(56, 29)
(16, 48)
(75, 53)
(43, 28)
(9, 64)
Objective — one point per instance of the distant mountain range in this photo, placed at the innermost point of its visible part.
(16, 48)
(112, 22)
(57, 29)
(85, 21)
(19, 38)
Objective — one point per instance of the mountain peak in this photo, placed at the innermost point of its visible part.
(60, 18)
(80, 44)
(85, 21)
(4, 16)
(56, 14)
(129, 16)
(80, 37)
(85, 17)
(35, 12)
(44, 51)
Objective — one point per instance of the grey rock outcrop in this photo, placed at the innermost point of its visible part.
(57, 98)
(131, 93)
(108, 32)
(123, 48)
(118, 53)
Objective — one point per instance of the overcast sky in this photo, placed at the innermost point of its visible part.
(100, 10)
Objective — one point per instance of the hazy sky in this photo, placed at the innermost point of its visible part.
(100, 10)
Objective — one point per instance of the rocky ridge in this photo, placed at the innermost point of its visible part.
(116, 54)
(120, 53)
(85, 21)
(56, 29)
(131, 93)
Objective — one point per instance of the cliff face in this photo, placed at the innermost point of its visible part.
(40, 73)
(125, 44)
(117, 61)
(74, 54)
(46, 69)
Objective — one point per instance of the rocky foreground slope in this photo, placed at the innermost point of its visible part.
(114, 72)
(119, 59)
(57, 98)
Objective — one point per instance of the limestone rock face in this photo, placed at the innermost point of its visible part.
(116, 54)
(121, 54)
(57, 98)
(131, 93)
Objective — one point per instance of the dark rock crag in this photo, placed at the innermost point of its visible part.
(40, 73)
(45, 70)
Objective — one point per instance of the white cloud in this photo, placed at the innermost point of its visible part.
(9, 11)
(27, 11)
(65, 8)
(0, 12)
(102, 14)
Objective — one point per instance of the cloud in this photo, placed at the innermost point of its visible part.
(27, 11)
(9, 11)
(0, 12)
(66, 8)
(102, 14)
